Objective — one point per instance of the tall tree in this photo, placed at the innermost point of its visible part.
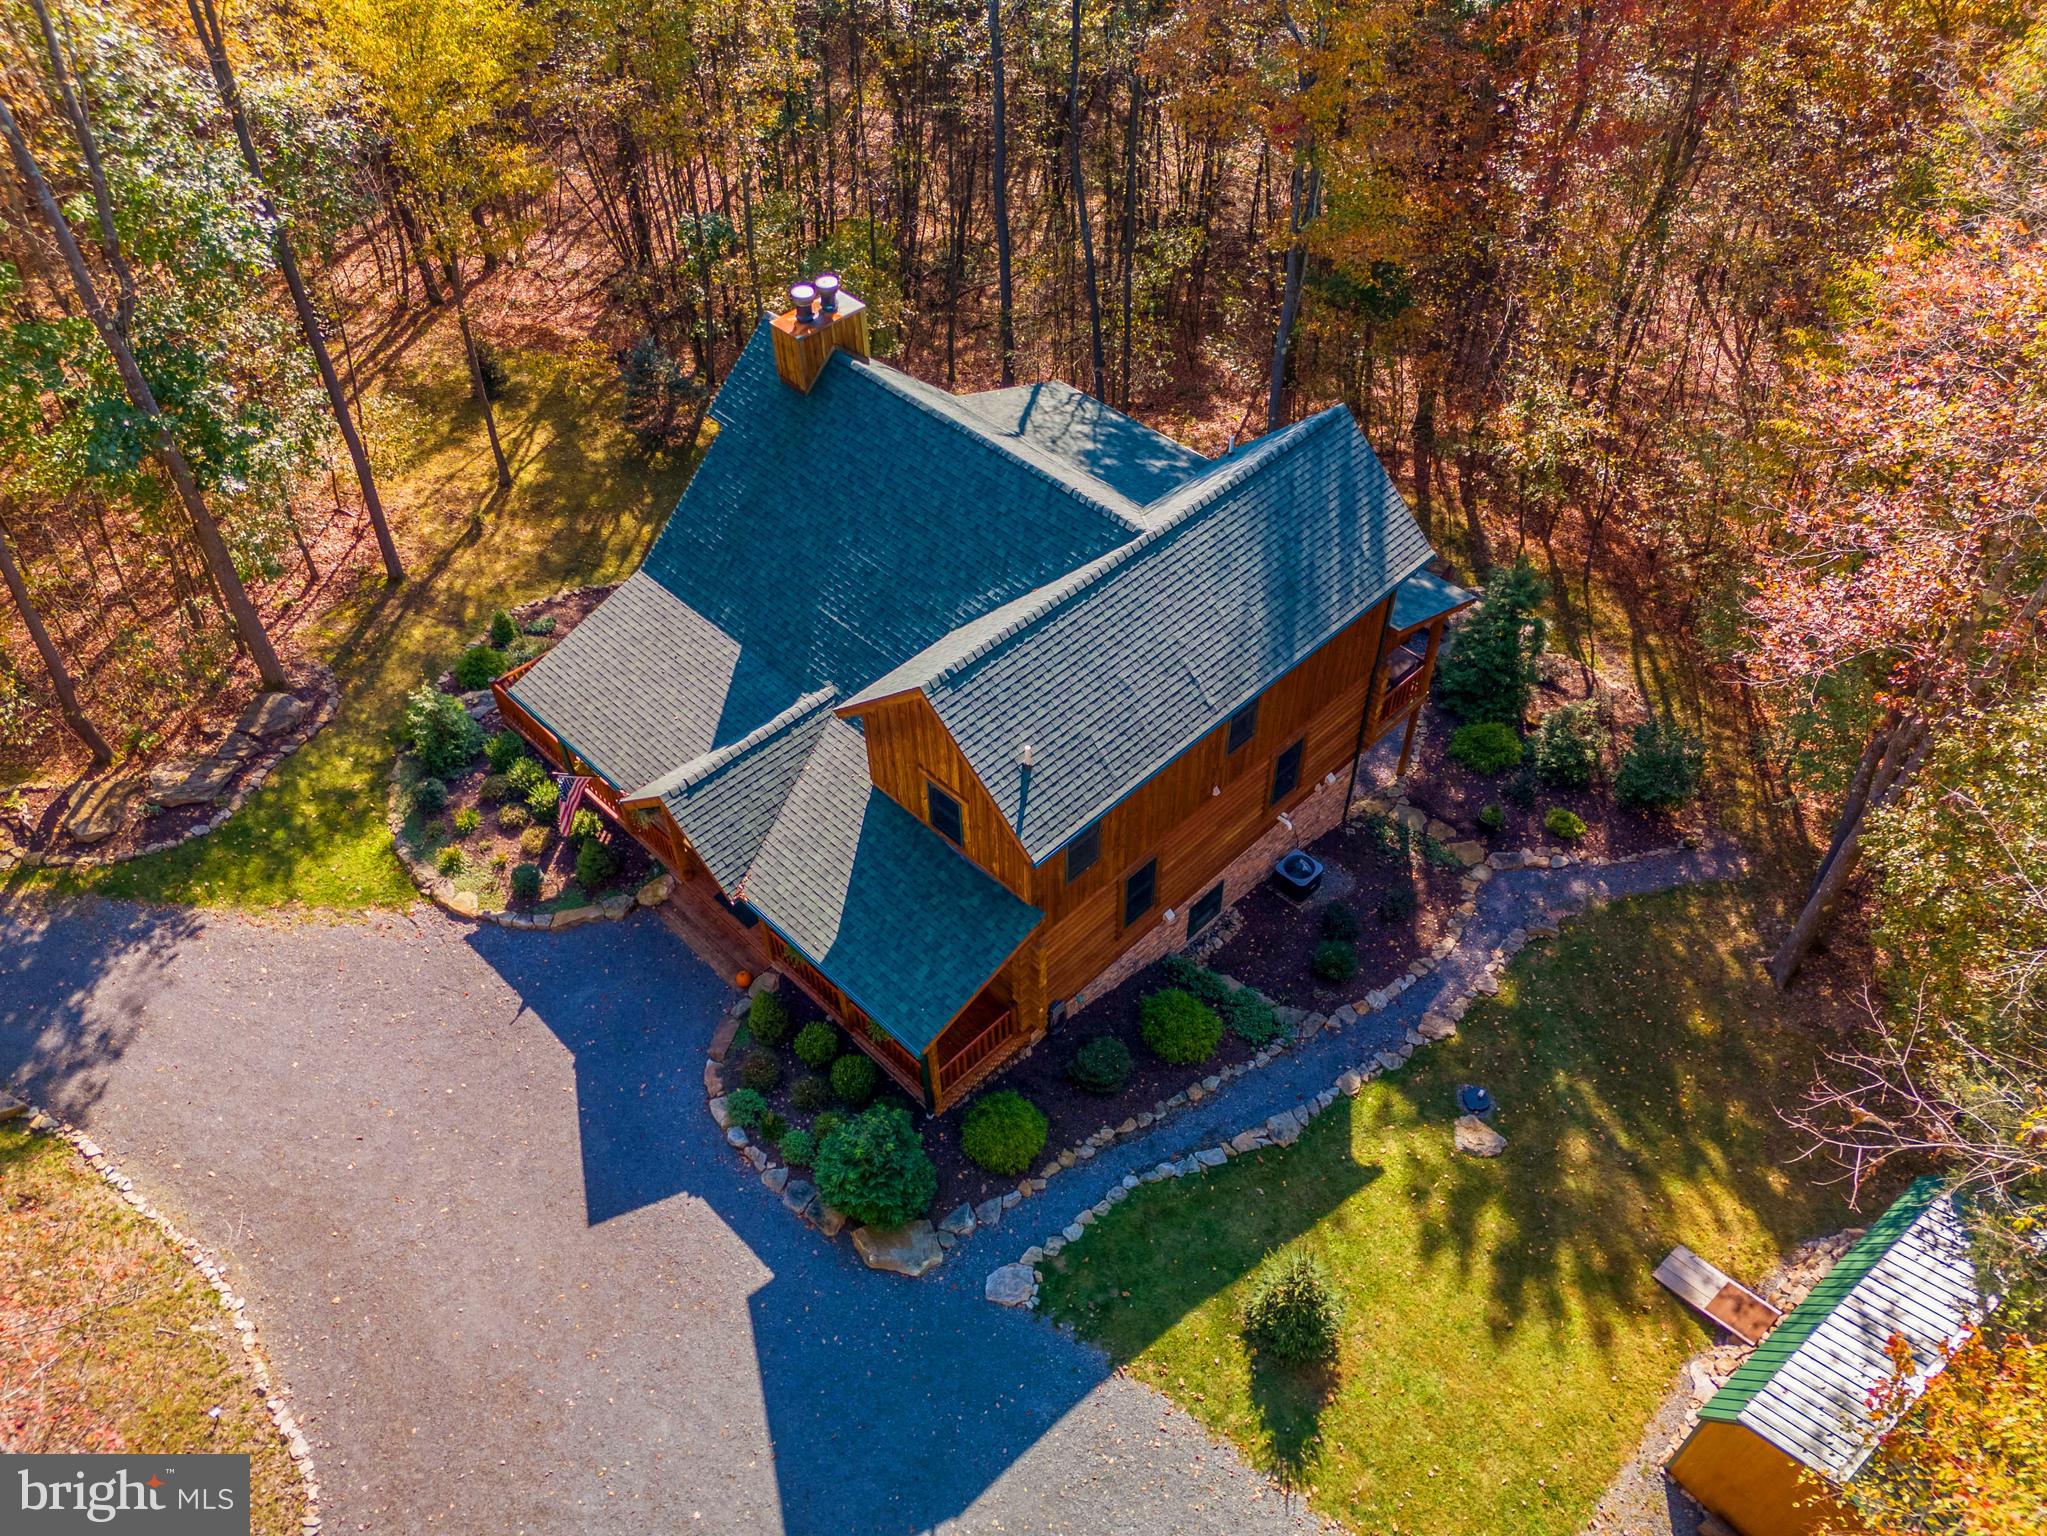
(1079, 176)
(206, 22)
(1006, 310)
(53, 659)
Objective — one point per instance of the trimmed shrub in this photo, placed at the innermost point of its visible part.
(467, 820)
(595, 864)
(761, 1070)
(449, 861)
(1492, 818)
(585, 823)
(767, 1018)
(854, 1079)
(1102, 1065)
(1522, 787)
(502, 630)
(773, 1127)
(526, 882)
(493, 788)
(526, 775)
(439, 731)
(1397, 905)
(1567, 745)
(1485, 746)
(428, 796)
(816, 1044)
(1179, 1027)
(533, 841)
(1294, 1313)
(503, 750)
(810, 1093)
(543, 799)
(874, 1168)
(1334, 961)
(1190, 976)
(798, 1148)
(1488, 671)
(1002, 1132)
(544, 625)
(745, 1108)
(514, 817)
(1250, 1017)
(825, 1124)
(1339, 921)
(1661, 768)
(477, 666)
(1568, 825)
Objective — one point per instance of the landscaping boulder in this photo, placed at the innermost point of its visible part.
(1469, 852)
(959, 1222)
(272, 714)
(1475, 1137)
(656, 890)
(1012, 1285)
(99, 808)
(912, 1250)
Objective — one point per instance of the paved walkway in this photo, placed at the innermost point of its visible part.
(514, 1277)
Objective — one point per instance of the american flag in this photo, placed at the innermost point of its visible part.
(572, 787)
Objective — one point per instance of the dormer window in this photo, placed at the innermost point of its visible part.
(1243, 726)
(944, 812)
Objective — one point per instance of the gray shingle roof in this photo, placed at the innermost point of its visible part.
(1424, 595)
(1101, 443)
(900, 920)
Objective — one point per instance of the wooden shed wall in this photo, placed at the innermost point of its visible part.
(1751, 1484)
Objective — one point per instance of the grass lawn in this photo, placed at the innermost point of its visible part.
(1505, 1344)
(583, 508)
(110, 1340)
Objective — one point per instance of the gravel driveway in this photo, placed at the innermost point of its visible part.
(514, 1277)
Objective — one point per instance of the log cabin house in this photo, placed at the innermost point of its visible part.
(960, 708)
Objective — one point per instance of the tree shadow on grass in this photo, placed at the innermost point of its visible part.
(1290, 1400)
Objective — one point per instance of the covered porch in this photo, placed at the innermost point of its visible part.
(1415, 621)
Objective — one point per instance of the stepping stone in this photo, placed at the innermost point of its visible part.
(1475, 1137)
(1469, 852)
(912, 1250)
(1441, 831)
(272, 714)
(99, 808)
(1011, 1286)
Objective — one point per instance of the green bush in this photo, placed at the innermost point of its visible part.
(767, 1018)
(1294, 1313)
(584, 824)
(1179, 1027)
(526, 882)
(760, 1070)
(595, 864)
(1492, 818)
(810, 1093)
(1339, 921)
(745, 1108)
(1397, 905)
(1567, 745)
(1568, 825)
(1102, 1065)
(1250, 1017)
(1002, 1132)
(544, 625)
(1661, 768)
(816, 1044)
(1485, 746)
(854, 1078)
(477, 666)
(502, 630)
(543, 799)
(533, 841)
(1488, 671)
(513, 816)
(503, 750)
(449, 861)
(1522, 788)
(825, 1124)
(428, 796)
(1335, 961)
(773, 1127)
(492, 788)
(1191, 976)
(526, 775)
(467, 820)
(874, 1168)
(798, 1148)
(439, 731)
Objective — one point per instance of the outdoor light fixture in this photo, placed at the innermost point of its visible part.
(803, 295)
(828, 292)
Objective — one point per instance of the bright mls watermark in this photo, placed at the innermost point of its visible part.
(144, 1495)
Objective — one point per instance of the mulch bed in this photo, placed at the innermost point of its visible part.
(32, 814)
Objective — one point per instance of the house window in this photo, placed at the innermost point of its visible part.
(945, 813)
(1286, 771)
(1082, 852)
(1140, 891)
(1208, 906)
(1243, 725)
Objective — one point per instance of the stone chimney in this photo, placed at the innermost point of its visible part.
(824, 318)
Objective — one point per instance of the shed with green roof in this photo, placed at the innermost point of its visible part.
(1796, 1421)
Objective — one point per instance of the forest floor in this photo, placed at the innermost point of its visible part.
(1505, 1342)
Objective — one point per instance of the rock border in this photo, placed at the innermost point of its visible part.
(1016, 1284)
(276, 1395)
(253, 778)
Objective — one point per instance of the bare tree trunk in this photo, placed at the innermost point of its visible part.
(53, 660)
(207, 23)
(1006, 312)
(1130, 225)
(1303, 204)
(1087, 238)
(112, 329)
(490, 417)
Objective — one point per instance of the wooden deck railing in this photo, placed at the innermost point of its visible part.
(956, 1070)
(1400, 698)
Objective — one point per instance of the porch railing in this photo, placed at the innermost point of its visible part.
(1401, 697)
(955, 1072)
